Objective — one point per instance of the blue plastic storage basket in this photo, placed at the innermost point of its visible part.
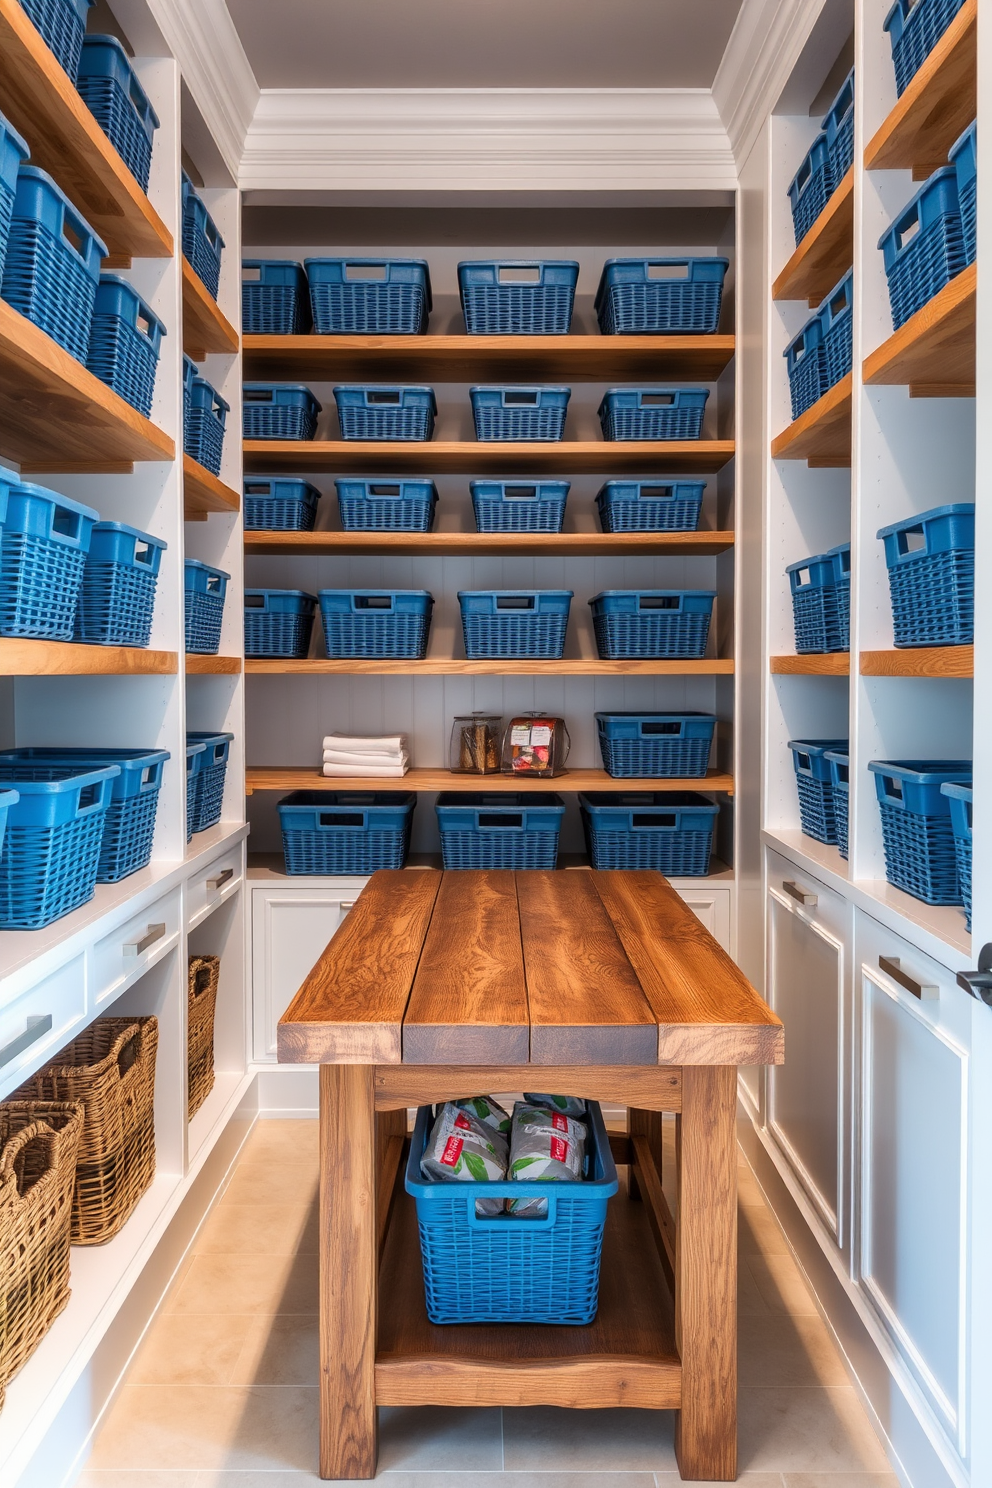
(660, 296)
(43, 547)
(279, 503)
(204, 423)
(339, 832)
(274, 297)
(279, 412)
(963, 155)
(518, 297)
(62, 24)
(13, 153)
(108, 85)
(815, 787)
(209, 771)
(811, 187)
(837, 318)
(369, 296)
(660, 745)
(514, 622)
(669, 831)
(505, 829)
(202, 243)
(931, 563)
(206, 589)
(653, 413)
(192, 753)
(377, 411)
(8, 798)
(278, 622)
(915, 27)
(924, 248)
(839, 129)
(519, 413)
(821, 601)
(386, 504)
(652, 622)
(376, 622)
(190, 370)
(125, 341)
(51, 848)
(916, 825)
(652, 505)
(960, 798)
(52, 267)
(519, 506)
(117, 597)
(804, 358)
(840, 766)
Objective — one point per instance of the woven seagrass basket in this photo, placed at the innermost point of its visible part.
(204, 975)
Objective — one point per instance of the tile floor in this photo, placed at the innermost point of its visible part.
(222, 1394)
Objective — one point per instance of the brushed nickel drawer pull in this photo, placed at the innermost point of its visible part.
(221, 879)
(37, 1027)
(892, 967)
(800, 895)
(151, 935)
(345, 905)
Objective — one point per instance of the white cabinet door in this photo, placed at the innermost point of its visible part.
(290, 928)
(712, 906)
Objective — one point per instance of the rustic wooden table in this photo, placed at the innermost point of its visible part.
(600, 985)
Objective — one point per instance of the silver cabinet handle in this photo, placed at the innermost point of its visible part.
(892, 967)
(221, 879)
(151, 935)
(800, 895)
(36, 1028)
(345, 905)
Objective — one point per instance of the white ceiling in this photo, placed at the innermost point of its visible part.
(484, 43)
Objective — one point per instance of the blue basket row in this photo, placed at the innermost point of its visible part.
(915, 27)
(202, 243)
(826, 163)
(204, 419)
(935, 236)
(821, 601)
(821, 353)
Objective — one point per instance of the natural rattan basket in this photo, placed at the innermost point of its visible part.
(110, 1068)
(38, 1145)
(204, 975)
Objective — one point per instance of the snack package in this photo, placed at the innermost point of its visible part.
(568, 1105)
(463, 1149)
(546, 1147)
(474, 746)
(489, 1112)
(535, 745)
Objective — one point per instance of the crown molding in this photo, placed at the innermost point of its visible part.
(763, 49)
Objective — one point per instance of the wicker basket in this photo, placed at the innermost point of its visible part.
(204, 975)
(39, 1141)
(110, 1068)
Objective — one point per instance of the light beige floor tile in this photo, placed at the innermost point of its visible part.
(750, 1302)
(248, 1284)
(211, 1478)
(260, 1229)
(451, 1479)
(127, 1478)
(173, 1426)
(776, 1349)
(286, 1141)
(279, 1351)
(744, 1479)
(806, 1430)
(272, 1182)
(176, 1353)
(780, 1282)
(758, 1233)
(545, 1438)
(436, 1438)
(840, 1480)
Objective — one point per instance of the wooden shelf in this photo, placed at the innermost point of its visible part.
(55, 416)
(204, 493)
(831, 664)
(65, 659)
(445, 457)
(446, 666)
(934, 352)
(825, 253)
(65, 139)
(205, 326)
(920, 661)
(938, 105)
(475, 358)
(488, 544)
(308, 777)
(212, 666)
(822, 435)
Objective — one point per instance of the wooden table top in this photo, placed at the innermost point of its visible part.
(548, 968)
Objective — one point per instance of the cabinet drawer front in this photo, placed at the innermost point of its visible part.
(127, 952)
(805, 893)
(290, 930)
(209, 886)
(36, 1024)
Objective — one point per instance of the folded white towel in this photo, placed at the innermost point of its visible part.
(386, 744)
(380, 772)
(342, 757)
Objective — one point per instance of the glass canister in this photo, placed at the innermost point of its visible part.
(536, 746)
(475, 744)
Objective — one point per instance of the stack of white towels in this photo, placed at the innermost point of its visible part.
(384, 756)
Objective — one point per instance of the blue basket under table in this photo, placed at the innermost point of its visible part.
(514, 622)
(963, 155)
(117, 597)
(369, 296)
(192, 752)
(815, 787)
(521, 414)
(202, 243)
(125, 341)
(960, 798)
(660, 745)
(204, 424)
(519, 506)
(840, 769)
(209, 770)
(660, 296)
(650, 505)
(108, 85)
(915, 27)
(52, 267)
(806, 365)
(505, 829)
(8, 798)
(278, 622)
(43, 545)
(274, 297)
(279, 503)
(821, 601)
(518, 297)
(206, 589)
(653, 413)
(377, 411)
(839, 129)
(924, 248)
(811, 187)
(669, 831)
(916, 826)
(13, 153)
(652, 622)
(62, 24)
(931, 563)
(51, 848)
(346, 831)
(837, 319)
(386, 504)
(376, 622)
(273, 411)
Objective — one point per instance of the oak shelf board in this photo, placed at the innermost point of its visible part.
(934, 351)
(212, 666)
(326, 544)
(464, 358)
(821, 435)
(825, 253)
(204, 493)
(65, 139)
(24, 658)
(829, 664)
(938, 105)
(447, 666)
(205, 326)
(309, 777)
(55, 416)
(449, 457)
(920, 661)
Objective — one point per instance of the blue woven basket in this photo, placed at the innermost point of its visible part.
(125, 341)
(653, 413)
(811, 187)
(916, 826)
(960, 798)
(206, 590)
(52, 267)
(924, 248)
(8, 798)
(518, 297)
(514, 622)
(655, 745)
(837, 319)
(202, 243)
(839, 129)
(660, 296)
(369, 296)
(279, 412)
(821, 607)
(376, 622)
(804, 358)
(13, 153)
(383, 504)
(505, 829)
(192, 753)
(521, 414)
(279, 503)
(274, 297)
(117, 596)
(840, 766)
(203, 425)
(815, 787)
(278, 622)
(375, 411)
(51, 848)
(108, 85)
(519, 506)
(336, 832)
(669, 831)
(190, 371)
(931, 563)
(963, 155)
(915, 27)
(652, 505)
(209, 771)
(43, 549)
(62, 24)
(652, 622)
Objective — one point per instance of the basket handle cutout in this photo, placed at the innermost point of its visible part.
(506, 819)
(803, 175)
(516, 601)
(661, 728)
(657, 400)
(202, 980)
(15, 1158)
(73, 236)
(128, 1050)
(365, 271)
(143, 323)
(656, 493)
(379, 490)
(383, 396)
(668, 271)
(259, 395)
(500, 1221)
(65, 523)
(341, 818)
(519, 399)
(219, 750)
(519, 274)
(803, 763)
(912, 540)
(254, 602)
(90, 795)
(213, 583)
(373, 601)
(250, 275)
(843, 771)
(659, 602)
(258, 488)
(520, 493)
(908, 226)
(143, 552)
(893, 788)
(642, 819)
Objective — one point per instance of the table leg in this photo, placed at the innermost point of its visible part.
(706, 1275)
(348, 1272)
(645, 1124)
